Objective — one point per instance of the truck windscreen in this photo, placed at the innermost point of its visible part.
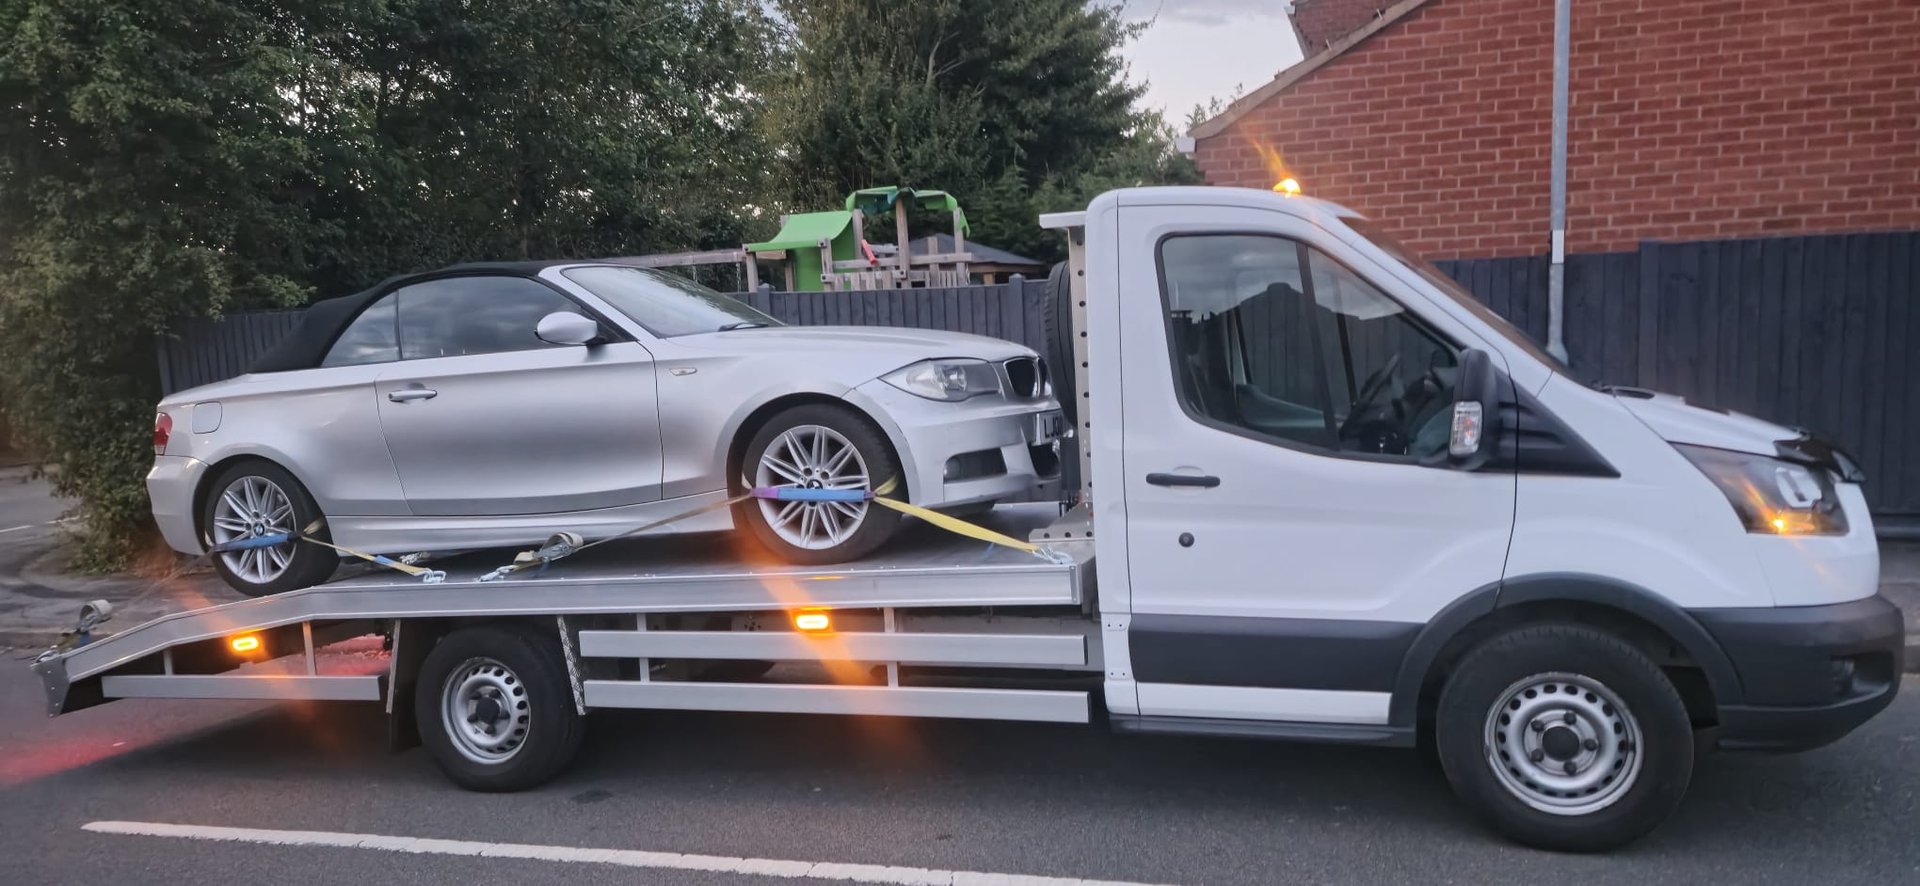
(1452, 288)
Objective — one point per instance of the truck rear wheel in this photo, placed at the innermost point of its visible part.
(1564, 737)
(495, 708)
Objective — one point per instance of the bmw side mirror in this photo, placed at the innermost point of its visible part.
(1476, 403)
(568, 328)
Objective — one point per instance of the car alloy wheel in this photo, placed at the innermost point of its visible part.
(251, 507)
(812, 457)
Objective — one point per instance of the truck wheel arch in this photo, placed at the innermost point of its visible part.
(1545, 596)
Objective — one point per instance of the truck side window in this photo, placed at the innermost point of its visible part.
(1272, 337)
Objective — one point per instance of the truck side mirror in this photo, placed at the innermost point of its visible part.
(1476, 401)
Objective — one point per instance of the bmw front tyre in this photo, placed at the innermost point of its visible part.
(819, 447)
(1564, 737)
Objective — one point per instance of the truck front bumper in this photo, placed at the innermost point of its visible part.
(1808, 674)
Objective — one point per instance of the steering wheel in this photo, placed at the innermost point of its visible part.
(1370, 391)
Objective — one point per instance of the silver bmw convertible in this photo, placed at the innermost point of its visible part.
(493, 405)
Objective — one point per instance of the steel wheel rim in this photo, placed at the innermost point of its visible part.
(251, 507)
(812, 457)
(1563, 743)
(485, 711)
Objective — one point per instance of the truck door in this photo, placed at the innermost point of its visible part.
(1286, 538)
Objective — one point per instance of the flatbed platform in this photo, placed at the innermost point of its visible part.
(923, 567)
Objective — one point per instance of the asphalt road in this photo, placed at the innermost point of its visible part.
(986, 797)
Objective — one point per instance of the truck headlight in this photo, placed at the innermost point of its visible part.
(1770, 495)
(952, 380)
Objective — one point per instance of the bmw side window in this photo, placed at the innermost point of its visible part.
(372, 337)
(1272, 337)
(461, 316)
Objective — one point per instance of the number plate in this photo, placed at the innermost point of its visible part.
(1047, 426)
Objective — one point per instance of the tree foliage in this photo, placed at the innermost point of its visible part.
(167, 160)
(1015, 106)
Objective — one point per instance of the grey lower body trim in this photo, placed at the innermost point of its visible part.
(1324, 733)
(263, 688)
(988, 650)
(885, 701)
(1275, 653)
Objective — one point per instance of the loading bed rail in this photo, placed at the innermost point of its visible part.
(927, 569)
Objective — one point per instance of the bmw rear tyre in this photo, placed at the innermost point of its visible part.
(819, 446)
(1564, 737)
(255, 499)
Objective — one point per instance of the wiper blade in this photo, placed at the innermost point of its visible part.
(743, 324)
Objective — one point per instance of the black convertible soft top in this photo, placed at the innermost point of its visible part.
(324, 320)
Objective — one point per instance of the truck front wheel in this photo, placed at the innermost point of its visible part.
(1564, 737)
(495, 708)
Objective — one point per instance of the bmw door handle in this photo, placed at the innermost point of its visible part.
(1202, 481)
(406, 395)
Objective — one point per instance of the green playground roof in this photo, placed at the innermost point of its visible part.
(876, 201)
(806, 230)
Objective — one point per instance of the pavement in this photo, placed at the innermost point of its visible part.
(40, 595)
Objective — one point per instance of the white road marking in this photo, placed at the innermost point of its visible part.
(720, 864)
(36, 525)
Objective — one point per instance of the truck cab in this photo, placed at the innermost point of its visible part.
(1336, 498)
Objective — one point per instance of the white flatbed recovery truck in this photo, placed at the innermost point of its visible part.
(1321, 495)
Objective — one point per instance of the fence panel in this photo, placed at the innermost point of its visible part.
(1812, 332)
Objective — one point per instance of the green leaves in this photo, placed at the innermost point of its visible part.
(178, 159)
(1015, 106)
(163, 160)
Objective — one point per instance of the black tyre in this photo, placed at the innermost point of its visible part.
(495, 708)
(1564, 737)
(819, 446)
(256, 498)
(1057, 318)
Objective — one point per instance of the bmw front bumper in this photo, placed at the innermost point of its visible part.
(989, 448)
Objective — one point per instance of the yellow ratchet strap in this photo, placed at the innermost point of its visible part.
(957, 525)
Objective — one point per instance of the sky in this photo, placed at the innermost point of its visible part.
(1196, 50)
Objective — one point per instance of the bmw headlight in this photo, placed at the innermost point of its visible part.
(1772, 496)
(952, 380)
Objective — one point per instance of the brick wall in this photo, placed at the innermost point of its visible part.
(1437, 125)
(1320, 22)
(1712, 120)
(1689, 120)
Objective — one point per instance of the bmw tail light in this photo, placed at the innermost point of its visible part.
(162, 429)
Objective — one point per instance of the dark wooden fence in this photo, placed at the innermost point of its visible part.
(1814, 332)
(204, 351)
(1014, 310)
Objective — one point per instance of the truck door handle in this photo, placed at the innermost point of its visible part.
(414, 393)
(1203, 481)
